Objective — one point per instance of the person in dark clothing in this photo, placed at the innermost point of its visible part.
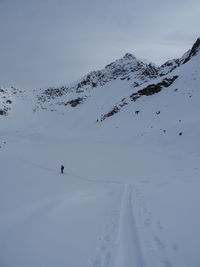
(62, 168)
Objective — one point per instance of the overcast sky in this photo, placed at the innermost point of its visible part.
(54, 42)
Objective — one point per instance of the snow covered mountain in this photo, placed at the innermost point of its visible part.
(128, 136)
(129, 69)
(127, 78)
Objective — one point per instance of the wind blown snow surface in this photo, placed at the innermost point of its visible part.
(129, 195)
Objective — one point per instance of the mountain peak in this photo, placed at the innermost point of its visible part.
(192, 52)
(195, 47)
(129, 56)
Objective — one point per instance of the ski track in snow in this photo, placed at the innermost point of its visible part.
(120, 246)
(128, 251)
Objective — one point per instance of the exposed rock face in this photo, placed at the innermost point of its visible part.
(74, 102)
(110, 113)
(153, 88)
(168, 66)
(191, 53)
(52, 93)
(6, 95)
(4, 111)
(125, 68)
(147, 91)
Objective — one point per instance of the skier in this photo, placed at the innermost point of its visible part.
(62, 168)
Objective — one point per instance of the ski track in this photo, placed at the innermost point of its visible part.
(119, 246)
(128, 251)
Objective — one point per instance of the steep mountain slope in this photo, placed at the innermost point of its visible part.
(117, 85)
(128, 69)
(176, 80)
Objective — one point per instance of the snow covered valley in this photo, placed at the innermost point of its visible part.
(129, 194)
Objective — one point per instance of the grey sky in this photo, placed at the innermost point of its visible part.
(54, 42)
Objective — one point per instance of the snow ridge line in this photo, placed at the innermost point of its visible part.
(128, 251)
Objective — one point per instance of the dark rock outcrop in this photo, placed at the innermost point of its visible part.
(153, 88)
(192, 52)
(75, 102)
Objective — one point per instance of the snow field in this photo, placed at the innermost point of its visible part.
(130, 192)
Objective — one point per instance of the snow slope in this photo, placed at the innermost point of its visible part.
(130, 192)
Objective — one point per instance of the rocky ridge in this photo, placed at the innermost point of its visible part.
(135, 74)
(128, 68)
